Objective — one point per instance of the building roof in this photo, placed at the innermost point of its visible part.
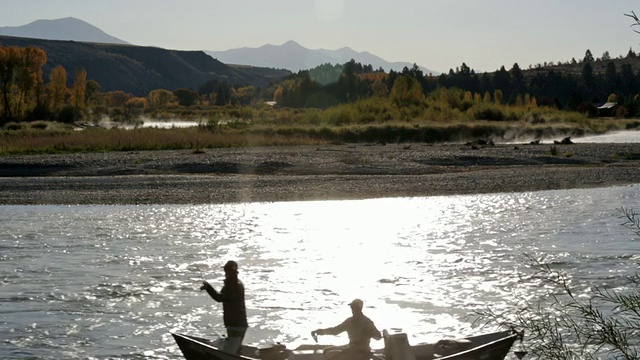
(607, 105)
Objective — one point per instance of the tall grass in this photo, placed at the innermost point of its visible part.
(101, 140)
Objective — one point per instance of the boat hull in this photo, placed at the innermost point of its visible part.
(492, 346)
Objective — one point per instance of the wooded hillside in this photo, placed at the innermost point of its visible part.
(139, 70)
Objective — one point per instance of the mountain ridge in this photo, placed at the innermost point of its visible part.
(289, 56)
(294, 57)
(68, 28)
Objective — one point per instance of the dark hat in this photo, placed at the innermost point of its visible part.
(231, 266)
(356, 303)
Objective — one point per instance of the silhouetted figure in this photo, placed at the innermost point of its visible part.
(234, 312)
(360, 330)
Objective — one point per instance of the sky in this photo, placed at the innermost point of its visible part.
(436, 34)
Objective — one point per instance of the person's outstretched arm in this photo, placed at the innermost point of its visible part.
(330, 331)
(375, 333)
(373, 330)
(211, 291)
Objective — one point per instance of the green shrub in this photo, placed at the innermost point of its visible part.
(632, 125)
(40, 125)
(488, 113)
(13, 126)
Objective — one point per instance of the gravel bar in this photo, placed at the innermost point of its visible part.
(292, 173)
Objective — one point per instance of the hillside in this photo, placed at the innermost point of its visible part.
(599, 67)
(139, 69)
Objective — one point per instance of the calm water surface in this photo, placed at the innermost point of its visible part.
(111, 282)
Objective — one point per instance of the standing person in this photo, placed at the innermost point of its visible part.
(234, 312)
(360, 330)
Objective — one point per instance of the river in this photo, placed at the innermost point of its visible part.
(112, 282)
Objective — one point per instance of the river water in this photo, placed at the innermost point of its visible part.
(112, 282)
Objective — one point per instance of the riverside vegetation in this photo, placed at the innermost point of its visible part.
(342, 103)
(369, 120)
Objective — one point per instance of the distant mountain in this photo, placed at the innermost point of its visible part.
(295, 57)
(117, 65)
(61, 29)
(140, 69)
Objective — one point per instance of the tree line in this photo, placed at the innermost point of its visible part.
(26, 96)
(554, 85)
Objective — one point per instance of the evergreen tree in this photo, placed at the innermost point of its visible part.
(347, 85)
(223, 94)
(518, 79)
(631, 54)
(465, 70)
(209, 87)
(186, 97)
(628, 81)
(502, 82)
(588, 57)
(587, 76)
(611, 77)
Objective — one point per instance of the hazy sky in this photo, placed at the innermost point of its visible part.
(437, 34)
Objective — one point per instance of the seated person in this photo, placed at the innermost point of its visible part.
(360, 330)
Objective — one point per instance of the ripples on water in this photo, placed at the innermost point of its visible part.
(111, 282)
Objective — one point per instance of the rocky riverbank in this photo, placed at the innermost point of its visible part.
(346, 171)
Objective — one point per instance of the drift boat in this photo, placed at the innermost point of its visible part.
(490, 346)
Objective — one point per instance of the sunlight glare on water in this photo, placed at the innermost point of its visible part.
(113, 281)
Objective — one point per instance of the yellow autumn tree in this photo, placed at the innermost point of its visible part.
(20, 80)
(277, 94)
(135, 106)
(243, 95)
(379, 88)
(57, 89)
(29, 79)
(160, 98)
(9, 62)
(377, 83)
(117, 98)
(497, 96)
(79, 90)
(406, 91)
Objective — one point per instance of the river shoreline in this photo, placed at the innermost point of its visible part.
(298, 173)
